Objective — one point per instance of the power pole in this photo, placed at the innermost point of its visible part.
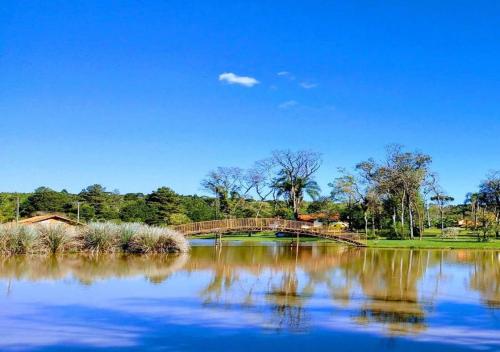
(17, 209)
(78, 212)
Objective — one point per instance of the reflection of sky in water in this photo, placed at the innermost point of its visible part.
(213, 302)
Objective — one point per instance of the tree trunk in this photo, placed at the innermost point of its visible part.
(349, 219)
(428, 216)
(394, 216)
(497, 220)
(366, 222)
(373, 224)
(441, 208)
(475, 217)
(420, 222)
(403, 212)
(410, 214)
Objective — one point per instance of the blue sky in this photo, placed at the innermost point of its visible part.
(128, 93)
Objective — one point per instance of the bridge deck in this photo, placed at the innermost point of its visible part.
(270, 224)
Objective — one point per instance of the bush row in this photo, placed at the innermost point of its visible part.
(94, 237)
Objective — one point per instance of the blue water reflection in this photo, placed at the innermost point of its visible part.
(258, 297)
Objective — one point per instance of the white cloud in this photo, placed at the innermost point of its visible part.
(286, 74)
(232, 78)
(307, 85)
(288, 104)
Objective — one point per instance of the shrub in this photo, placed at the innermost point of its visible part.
(99, 237)
(151, 239)
(18, 239)
(56, 238)
(450, 232)
(125, 234)
(95, 237)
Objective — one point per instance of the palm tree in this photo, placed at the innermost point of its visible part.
(293, 190)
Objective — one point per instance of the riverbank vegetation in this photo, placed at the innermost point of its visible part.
(92, 238)
(430, 241)
(396, 198)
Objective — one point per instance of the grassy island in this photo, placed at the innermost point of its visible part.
(93, 238)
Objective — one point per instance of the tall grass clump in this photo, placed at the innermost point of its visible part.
(94, 237)
(131, 238)
(18, 239)
(55, 238)
(99, 237)
(152, 239)
(125, 234)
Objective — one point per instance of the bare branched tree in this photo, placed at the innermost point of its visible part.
(228, 185)
(295, 175)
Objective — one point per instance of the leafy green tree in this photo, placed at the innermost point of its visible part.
(489, 191)
(295, 176)
(45, 199)
(294, 191)
(163, 203)
(199, 208)
(94, 196)
(136, 211)
(87, 212)
(106, 204)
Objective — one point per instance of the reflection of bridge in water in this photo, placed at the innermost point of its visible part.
(271, 224)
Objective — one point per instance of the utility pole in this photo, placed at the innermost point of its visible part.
(17, 209)
(78, 212)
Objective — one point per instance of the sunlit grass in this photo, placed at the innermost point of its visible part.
(94, 238)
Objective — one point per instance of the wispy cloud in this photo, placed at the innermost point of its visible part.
(288, 104)
(307, 85)
(232, 78)
(286, 74)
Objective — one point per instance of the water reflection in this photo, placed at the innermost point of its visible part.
(415, 294)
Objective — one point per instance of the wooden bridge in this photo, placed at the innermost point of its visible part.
(271, 224)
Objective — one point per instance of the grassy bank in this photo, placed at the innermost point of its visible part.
(261, 237)
(431, 241)
(435, 242)
(94, 238)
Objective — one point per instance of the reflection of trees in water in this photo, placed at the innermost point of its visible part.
(390, 285)
(286, 302)
(388, 281)
(485, 277)
(277, 281)
(89, 269)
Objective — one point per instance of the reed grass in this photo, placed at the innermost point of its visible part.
(93, 238)
(55, 238)
(150, 239)
(99, 237)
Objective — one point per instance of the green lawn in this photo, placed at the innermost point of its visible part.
(434, 242)
(261, 237)
(429, 241)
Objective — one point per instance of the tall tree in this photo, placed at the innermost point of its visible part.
(105, 204)
(229, 185)
(439, 196)
(402, 176)
(45, 199)
(164, 203)
(472, 200)
(489, 191)
(359, 188)
(295, 176)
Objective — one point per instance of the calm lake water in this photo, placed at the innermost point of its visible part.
(256, 298)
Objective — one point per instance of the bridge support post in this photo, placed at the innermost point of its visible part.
(218, 239)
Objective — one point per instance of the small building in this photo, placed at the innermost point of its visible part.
(49, 219)
(318, 219)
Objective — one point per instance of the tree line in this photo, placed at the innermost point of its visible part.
(399, 195)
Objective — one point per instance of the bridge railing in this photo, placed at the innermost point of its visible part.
(267, 224)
